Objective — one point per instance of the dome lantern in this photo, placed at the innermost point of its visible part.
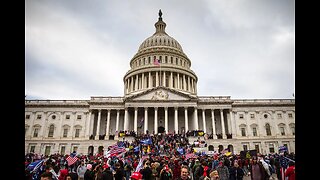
(160, 25)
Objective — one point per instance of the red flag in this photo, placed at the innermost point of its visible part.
(156, 62)
(71, 160)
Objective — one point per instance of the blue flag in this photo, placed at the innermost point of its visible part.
(146, 141)
(180, 150)
(34, 165)
(136, 149)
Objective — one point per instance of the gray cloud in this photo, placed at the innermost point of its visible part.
(78, 49)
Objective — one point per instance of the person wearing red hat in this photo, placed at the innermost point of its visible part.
(136, 176)
(107, 173)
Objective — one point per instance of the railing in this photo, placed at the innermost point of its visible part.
(106, 99)
(54, 102)
(263, 101)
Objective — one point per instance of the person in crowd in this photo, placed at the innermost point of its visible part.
(223, 171)
(256, 169)
(236, 173)
(290, 172)
(46, 176)
(214, 175)
(89, 174)
(119, 172)
(184, 175)
(81, 169)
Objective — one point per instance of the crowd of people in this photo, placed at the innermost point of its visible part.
(159, 157)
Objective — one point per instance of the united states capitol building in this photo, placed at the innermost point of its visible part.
(160, 96)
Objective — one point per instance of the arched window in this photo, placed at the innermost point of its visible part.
(268, 130)
(51, 130)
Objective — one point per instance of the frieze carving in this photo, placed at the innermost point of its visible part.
(160, 95)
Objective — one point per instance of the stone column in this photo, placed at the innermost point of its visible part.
(156, 120)
(91, 124)
(287, 127)
(214, 134)
(131, 84)
(204, 120)
(166, 119)
(145, 119)
(125, 119)
(72, 124)
(164, 79)
(44, 122)
(98, 125)
(32, 118)
(88, 125)
(157, 79)
(195, 87)
(195, 120)
(192, 86)
(176, 119)
(274, 124)
(247, 123)
(222, 124)
(171, 81)
(233, 132)
(135, 123)
(184, 82)
(186, 123)
(189, 85)
(137, 83)
(117, 121)
(150, 86)
(108, 124)
(142, 83)
(178, 81)
(235, 127)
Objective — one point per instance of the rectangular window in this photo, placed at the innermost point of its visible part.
(254, 131)
(32, 149)
(35, 133)
(63, 150)
(77, 133)
(290, 115)
(282, 131)
(38, 116)
(279, 115)
(271, 148)
(241, 116)
(47, 150)
(257, 148)
(251, 116)
(245, 147)
(67, 116)
(243, 131)
(166, 59)
(28, 116)
(65, 132)
(78, 116)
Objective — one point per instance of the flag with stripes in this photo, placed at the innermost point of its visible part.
(140, 165)
(190, 155)
(71, 160)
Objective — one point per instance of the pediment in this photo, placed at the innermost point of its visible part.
(160, 94)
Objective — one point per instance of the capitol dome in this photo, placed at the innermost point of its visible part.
(160, 62)
(160, 39)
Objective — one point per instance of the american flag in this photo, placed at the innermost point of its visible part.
(71, 160)
(140, 165)
(191, 155)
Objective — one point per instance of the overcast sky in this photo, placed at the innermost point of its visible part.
(76, 49)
